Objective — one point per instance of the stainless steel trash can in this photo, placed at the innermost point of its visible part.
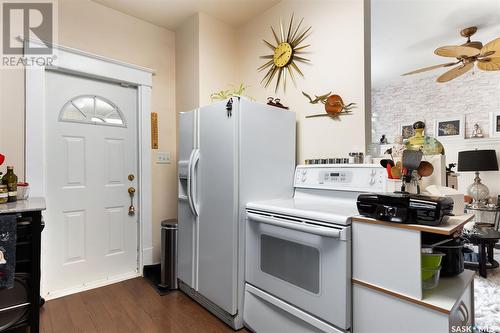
(169, 229)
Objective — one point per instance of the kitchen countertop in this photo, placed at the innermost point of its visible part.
(20, 206)
(449, 226)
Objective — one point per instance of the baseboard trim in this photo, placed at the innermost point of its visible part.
(91, 285)
(147, 256)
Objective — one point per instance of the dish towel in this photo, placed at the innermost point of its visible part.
(8, 234)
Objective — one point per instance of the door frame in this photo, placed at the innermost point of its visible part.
(81, 63)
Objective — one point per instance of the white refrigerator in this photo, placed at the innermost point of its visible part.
(229, 153)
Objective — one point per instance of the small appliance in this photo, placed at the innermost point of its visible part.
(405, 207)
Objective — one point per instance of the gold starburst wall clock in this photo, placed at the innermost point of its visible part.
(283, 61)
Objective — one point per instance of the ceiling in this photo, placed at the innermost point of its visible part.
(405, 33)
(171, 13)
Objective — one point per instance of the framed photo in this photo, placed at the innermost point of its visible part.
(450, 128)
(495, 124)
(406, 130)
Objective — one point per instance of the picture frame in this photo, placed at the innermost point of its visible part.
(450, 128)
(495, 124)
(406, 130)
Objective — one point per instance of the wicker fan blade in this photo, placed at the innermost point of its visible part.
(430, 68)
(455, 72)
(489, 64)
(493, 46)
(455, 51)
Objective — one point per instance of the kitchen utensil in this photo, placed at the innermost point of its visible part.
(430, 277)
(396, 171)
(453, 263)
(386, 162)
(389, 171)
(412, 159)
(425, 169)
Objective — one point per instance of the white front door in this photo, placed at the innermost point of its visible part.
(91, 149)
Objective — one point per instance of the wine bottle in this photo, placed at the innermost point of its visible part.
(10, 179)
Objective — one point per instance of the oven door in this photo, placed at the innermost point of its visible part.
(304, 263)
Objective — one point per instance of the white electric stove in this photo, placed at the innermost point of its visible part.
(298, 251)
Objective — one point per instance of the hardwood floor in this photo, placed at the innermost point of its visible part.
(129, 306)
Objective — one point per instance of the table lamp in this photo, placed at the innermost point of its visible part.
(477, 160)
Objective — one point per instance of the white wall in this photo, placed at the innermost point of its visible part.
(337, 64)
(473, 95)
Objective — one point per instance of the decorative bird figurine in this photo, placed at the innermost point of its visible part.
(334, 105)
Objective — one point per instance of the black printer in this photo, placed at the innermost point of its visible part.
(402, 207)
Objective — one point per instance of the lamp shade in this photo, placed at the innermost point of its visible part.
(477, 160)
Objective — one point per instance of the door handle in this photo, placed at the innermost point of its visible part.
(317, 230)
(194, 180)
(189, 183)
(131, 208)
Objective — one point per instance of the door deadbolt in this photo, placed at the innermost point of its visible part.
(131, 177)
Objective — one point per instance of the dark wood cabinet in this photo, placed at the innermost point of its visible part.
(20, 305)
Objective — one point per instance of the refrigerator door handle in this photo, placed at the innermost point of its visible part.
(194, 180)
(189, 181)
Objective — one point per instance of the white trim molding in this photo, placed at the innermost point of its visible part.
(86, 64)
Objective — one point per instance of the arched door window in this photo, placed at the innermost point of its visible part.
(90, 109)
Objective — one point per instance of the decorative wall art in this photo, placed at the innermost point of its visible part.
(286, 50)
(406, 130)
(334, 105)
(450, 128)
(495, 124)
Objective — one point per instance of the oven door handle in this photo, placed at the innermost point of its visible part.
(341, 234)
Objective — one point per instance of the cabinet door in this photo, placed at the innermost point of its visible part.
(462, 315)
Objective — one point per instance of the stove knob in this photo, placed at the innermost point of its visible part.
(373, 172)
(372, 181)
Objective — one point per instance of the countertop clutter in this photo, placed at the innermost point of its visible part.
(21, 206)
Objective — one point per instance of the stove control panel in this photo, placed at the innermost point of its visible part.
(351, 177)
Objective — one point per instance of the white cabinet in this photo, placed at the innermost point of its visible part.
(441, 310)
(387, 288)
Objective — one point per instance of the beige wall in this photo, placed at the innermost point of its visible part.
(187, 75)
(97, 29)
(206, 60)
(218, 57)
(337, 64)
(209, 56)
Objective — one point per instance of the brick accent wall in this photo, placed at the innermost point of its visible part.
(413, 98)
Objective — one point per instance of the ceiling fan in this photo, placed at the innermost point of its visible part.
(486, 58)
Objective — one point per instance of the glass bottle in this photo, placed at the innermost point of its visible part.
(10, 179)
(428, 144)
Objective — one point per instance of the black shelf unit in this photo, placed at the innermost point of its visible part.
(23, 301)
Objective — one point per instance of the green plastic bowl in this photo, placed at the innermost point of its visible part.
(430, 262)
